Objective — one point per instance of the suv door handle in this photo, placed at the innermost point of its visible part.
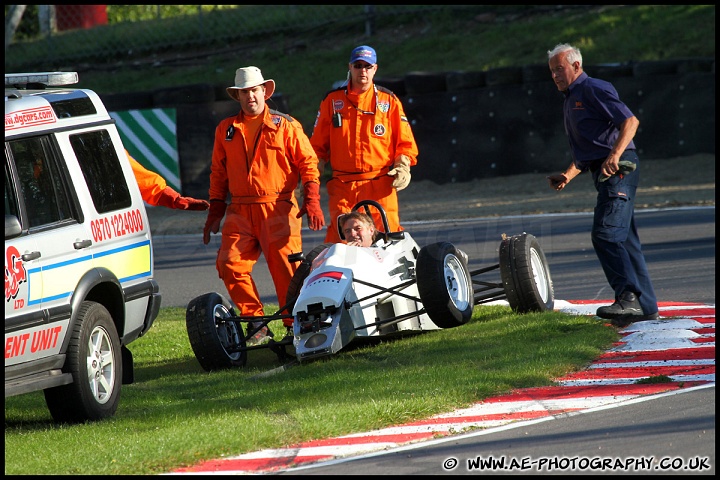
(30, 256)
(82, 244)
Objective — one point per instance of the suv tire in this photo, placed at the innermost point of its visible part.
(94, 360)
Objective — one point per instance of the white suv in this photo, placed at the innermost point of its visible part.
(79, 283)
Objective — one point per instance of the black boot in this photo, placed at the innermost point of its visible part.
(626, 309)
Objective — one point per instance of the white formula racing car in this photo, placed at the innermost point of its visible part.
(340, 294)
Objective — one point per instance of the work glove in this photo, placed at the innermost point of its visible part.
(215, 215)
(624, 167)
(171, 199)
(311, 206)
(401, 172)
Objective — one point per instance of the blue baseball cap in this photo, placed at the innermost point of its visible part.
(364, 53)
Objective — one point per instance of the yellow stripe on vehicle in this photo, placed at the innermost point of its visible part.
(127, 263)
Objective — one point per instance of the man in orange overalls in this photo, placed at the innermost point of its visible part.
(155, 191)
(259, 156)
(362, 130)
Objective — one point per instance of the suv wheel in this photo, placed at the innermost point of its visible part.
(93, 359)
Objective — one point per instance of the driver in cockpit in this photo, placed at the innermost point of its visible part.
(358, 229)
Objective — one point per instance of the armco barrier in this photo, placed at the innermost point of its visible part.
(481, 124)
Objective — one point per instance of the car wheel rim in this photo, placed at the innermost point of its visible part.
(456, 282)
(227, 332)
(101, 365)
(539, 274)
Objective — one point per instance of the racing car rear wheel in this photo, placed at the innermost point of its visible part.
(525, 274)
(444, 284)
(301, 274)
(214, 340)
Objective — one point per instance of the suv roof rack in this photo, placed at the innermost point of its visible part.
(47, 79)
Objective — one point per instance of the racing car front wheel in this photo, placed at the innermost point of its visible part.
(215, 340)
(525, 274)
(444, 284)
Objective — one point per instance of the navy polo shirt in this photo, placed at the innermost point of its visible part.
(593, 114)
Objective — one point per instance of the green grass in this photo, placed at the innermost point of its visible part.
(176, 414)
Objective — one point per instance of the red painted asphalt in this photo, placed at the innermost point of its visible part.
(680, 345)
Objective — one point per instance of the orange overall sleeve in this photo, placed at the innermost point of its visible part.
(151, 184)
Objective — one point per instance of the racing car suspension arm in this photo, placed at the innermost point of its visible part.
(496, 289)
(484, 270)
(392, 321)
(264, 318)
(496, 292)
(489, 298)
(262, 321)
(395, 290)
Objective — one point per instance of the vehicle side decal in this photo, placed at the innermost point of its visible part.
(30, 117)
(59, 279)
(34, 343)
(333, 276)
(15, 273)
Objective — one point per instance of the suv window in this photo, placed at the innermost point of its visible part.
(11, 207)
(71, 104)
(101, 168)
(42, 187)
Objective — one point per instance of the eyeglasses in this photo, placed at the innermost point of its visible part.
(366, 66)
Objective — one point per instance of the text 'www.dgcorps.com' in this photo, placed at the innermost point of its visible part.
(549, 464)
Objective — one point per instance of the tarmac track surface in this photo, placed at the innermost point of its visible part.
(680, 345)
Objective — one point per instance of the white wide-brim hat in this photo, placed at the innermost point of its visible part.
(248, 77)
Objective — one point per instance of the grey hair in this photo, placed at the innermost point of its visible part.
(573, 53)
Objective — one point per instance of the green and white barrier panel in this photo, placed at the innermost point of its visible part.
(151, 138)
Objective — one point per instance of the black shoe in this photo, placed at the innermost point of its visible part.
(625, 320)
(625, 306)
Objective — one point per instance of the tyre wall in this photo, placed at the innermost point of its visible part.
(472, 124)
(509, 120)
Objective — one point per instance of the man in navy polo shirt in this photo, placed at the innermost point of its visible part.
(600, 130)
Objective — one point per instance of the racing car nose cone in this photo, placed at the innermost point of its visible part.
(316, 340)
